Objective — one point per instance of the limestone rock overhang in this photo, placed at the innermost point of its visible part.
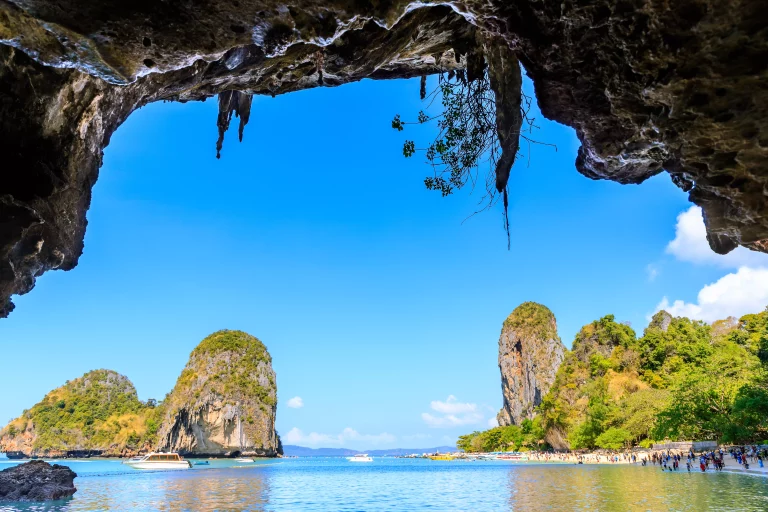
(649, 86)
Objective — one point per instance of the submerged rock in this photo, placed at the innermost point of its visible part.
(225, 400)
(530, 352)
(36, 481)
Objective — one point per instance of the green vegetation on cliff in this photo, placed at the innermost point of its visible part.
(682, 379)
(98, 411)
(207, 368)
(531, 318)
(225, 399)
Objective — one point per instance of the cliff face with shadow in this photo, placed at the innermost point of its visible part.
(530, 352)
(649, 86)
(224, 401)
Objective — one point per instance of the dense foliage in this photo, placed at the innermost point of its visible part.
(512, 437)
(98, 411)
(531, 318)
(681, 380)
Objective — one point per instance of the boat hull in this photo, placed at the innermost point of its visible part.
(168, 464)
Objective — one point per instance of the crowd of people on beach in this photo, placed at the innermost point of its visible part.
(714, 459)
(667, 460)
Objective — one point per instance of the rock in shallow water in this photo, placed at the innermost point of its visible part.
(36, 481)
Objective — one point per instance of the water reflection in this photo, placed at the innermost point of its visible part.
(621, 487)
(404, 485)
(218, 489)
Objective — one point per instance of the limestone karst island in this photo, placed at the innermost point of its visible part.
(223, 405)
(501, 255)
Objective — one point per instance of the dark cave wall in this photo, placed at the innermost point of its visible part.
(649, 85)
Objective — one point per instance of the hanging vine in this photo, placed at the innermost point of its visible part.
(467, 139)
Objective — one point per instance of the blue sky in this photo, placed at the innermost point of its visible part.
(380, 304)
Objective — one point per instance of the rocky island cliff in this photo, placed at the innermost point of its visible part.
(530, 352)
(96, 414)
(225, 400)
(682, 379)
(223, 404)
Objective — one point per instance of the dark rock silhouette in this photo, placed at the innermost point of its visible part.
(36, 480)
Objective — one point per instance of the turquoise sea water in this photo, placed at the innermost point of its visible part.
(330, 484)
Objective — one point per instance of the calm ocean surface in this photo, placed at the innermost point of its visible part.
(330, 484)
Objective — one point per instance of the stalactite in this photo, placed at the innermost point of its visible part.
(319, 65)
(232, 102)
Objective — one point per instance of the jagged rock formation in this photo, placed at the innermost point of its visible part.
(79, 418)
(225, 400)
(530, 352)
(36, 481)
(648, 86)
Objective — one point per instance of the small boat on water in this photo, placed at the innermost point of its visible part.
(160, 460)
(360, 457)
(202, 463)
(244, 459)
(441, 456)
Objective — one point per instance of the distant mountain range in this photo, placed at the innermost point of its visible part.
(300, 451)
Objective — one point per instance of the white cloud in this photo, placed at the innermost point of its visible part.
(735, 294)
(745, 291)
(451, 406)
(452, 413)
(690, 244)
(493, 422)
(348, 435)
(295, 403)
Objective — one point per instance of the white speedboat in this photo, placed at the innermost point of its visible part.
(160, 460)
(360, 457)
(244, 459)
